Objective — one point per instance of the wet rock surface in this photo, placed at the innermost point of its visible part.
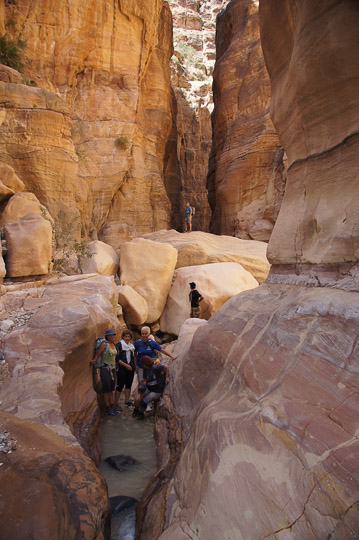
(122, 462)
(121, 502)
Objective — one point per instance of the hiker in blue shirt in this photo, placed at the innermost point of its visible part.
(147, 347)
(188, 218)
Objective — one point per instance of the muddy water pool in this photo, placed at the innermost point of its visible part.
(122, 434)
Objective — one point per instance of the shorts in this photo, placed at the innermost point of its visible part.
(188, 220)
(108, 379)
(151, 396)
(124, 378)
(195, 312)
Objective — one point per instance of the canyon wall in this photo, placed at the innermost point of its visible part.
(49, 417)
(246, 176)
(87, 133)
(190, 142)
(267, 390)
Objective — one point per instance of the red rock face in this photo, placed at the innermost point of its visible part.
(268, 396)
(246, 176)
(43, 482)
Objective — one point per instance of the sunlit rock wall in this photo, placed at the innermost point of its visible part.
(90, 139)
(246, 176)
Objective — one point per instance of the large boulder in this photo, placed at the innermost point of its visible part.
(134, 306)
(29, 246)
(148, 268)
(10, 183)
(104, 259)
(216, 282)
(197, 248)
(21, 204)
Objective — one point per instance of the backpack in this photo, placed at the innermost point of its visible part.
(149, 343)
(98, 343)
(193, 210)
(156, 379)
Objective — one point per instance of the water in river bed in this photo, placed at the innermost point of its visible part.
(122, 434)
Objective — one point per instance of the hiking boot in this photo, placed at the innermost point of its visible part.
(129, 404)
(110, 412)
(135, 413)
(117, 409)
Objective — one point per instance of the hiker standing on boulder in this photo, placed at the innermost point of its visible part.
(188, 218)
(156, 377)
(125, 367)
(105, 366)
(147, 347)
(195, 297)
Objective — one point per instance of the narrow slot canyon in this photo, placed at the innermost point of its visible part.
(149, 148)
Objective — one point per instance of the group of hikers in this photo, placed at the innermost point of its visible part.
(116, 363)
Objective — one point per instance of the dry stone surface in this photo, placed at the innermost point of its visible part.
(29, 246)
(216, 282)
(10, 183)
(46, 354)
(21, 204)
(311, 54)
(104, 259)
(202, 248)
(134, 306)
(148, 268)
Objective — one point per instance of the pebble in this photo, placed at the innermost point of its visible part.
(6, 325)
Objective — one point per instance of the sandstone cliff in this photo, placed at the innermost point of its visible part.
(87, 133)
(246, 176)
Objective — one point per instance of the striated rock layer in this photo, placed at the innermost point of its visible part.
(90, 140)
(269, 415)
(48, 406)
(246, 176)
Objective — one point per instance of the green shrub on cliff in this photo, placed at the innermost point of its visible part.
(122, 142)
(64, 231)
(10, 52)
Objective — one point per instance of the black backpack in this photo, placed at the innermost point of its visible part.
(156, 378)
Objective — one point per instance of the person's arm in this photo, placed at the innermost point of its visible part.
(99, 352)
(124, 364)
(168, 354)
(167, 370)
